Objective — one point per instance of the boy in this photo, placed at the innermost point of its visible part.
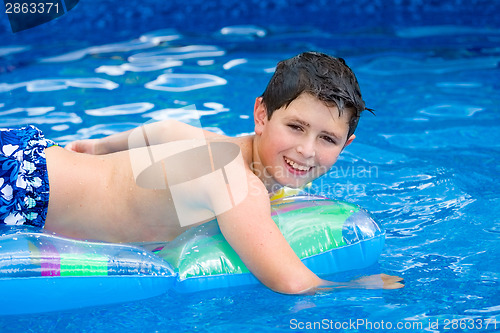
(152, 183)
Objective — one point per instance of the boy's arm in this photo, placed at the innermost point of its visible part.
(252, 233)
(156, 133)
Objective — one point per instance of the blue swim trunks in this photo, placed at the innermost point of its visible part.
(24, 182)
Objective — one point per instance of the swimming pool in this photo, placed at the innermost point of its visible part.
(426, 165)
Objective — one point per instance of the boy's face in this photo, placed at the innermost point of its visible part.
(300, 142)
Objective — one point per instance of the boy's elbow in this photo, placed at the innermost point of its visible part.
(293, 286)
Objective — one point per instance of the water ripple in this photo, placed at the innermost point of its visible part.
(60, 84)
(117, 47)
(393, 65)
(234, 62)
(144, 42)
(189, 115)
(472, 136)
(444, 30)
(243, 31)
(416, 201)
(49, 118)
(20, 116)
(451, 110)
(138, 67)
(96, 131)
(12, 49)
(423, 212)
(123, 109)
(184, 82)
(491, 309)
(160, 36)
(372, 154)
(161, 59)
(182, 52)
(31, 111)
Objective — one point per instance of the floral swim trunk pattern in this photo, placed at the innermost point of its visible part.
(24, 183)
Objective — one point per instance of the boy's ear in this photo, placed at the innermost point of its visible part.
(259, 115)
(349, 141)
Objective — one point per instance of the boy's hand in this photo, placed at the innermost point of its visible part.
(377, 281)
(88, 146)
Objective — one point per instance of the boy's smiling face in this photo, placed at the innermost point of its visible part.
(299, 143)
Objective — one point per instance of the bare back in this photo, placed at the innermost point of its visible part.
(98, 197)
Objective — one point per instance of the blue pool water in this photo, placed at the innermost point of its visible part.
(426, 165)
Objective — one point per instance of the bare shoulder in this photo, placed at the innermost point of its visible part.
(175, 130)
(244, 143)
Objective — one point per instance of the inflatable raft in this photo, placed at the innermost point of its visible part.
(40, 271)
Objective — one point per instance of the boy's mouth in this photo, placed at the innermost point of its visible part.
(296, 168)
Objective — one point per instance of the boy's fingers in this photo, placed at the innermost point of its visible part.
(390, 278)
(392, 282)
(395, 285)
(78, 147)
(70, 146)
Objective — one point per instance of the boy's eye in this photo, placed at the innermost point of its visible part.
(329, 139)
(295, 127)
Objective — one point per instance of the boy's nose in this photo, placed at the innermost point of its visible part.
(306, 149)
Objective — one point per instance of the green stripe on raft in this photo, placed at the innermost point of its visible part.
(84, 264)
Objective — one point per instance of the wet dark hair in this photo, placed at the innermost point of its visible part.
(327, 78)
